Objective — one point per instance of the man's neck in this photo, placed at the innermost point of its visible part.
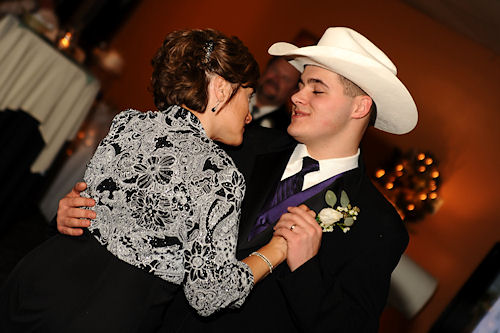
(325, 153)
(344, 144)
(324, 149)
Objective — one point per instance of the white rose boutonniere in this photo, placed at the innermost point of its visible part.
(342, 216)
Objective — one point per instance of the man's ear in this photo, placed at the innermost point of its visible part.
(362, 105)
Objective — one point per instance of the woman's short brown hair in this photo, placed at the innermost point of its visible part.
(182, 65)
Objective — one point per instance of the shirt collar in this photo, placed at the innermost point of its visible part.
(327, 168)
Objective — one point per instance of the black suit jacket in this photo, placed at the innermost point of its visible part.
(342, 289)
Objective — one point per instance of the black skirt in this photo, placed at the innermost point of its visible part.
(73, 284)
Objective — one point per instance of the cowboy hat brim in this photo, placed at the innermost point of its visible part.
(396, 110)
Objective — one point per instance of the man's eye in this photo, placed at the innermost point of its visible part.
(316, 92)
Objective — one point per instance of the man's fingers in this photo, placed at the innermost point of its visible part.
(287, 223)
(300, 217)
(75, 191)
(70, 231)
(303, 207)
(81, 213)
(287, 219)
(76, 202)
(283, 232)
(81, 202)
(306, 209)
(74, 223)
(312, 213)
(80, 186)
(299, 220)
(306, 216)
(67, 225)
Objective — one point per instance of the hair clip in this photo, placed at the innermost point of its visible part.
(209, 47)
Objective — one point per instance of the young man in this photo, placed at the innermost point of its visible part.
(337, 275)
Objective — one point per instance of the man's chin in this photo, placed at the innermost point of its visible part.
(293, 130)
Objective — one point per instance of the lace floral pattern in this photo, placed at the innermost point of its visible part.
(168, 201)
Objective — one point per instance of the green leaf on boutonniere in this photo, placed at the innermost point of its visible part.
(330, 198)
(344, 199)
(342, 216)
(348, 221)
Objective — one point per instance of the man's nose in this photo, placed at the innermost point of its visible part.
(298, 97)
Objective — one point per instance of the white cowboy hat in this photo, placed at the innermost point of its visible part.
(348, 53)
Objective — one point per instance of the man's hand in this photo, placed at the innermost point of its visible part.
(70, 217)
(302, 232)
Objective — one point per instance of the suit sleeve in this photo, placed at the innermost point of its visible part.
(345, 298)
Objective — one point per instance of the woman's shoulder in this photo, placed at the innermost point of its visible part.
(128, 113)
(130, 117)
(124, 117)
(132, 113)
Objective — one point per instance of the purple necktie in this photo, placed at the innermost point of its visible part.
(293, 184)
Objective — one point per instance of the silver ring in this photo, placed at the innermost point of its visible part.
(292, 227)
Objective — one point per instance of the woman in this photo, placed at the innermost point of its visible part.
(167, 202)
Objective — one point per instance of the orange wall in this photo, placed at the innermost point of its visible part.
(454, 82)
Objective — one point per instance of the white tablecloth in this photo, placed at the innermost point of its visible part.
(36, 78)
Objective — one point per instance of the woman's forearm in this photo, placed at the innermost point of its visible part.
(265, 259)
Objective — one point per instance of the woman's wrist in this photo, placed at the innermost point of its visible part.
(275, 250)
(263, 261)
(263, 258)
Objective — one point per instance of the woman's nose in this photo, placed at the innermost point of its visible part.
(248, 118)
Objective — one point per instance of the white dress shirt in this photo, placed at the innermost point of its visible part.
(327, 168)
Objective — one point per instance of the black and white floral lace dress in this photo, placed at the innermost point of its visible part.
(168, 205)
(168, 201)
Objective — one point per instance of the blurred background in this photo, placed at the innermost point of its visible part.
(98, 53)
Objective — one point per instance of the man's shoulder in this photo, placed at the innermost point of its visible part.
(382, 215)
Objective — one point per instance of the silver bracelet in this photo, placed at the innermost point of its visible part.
(263, 257)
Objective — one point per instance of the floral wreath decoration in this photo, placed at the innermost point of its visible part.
(342, 216)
